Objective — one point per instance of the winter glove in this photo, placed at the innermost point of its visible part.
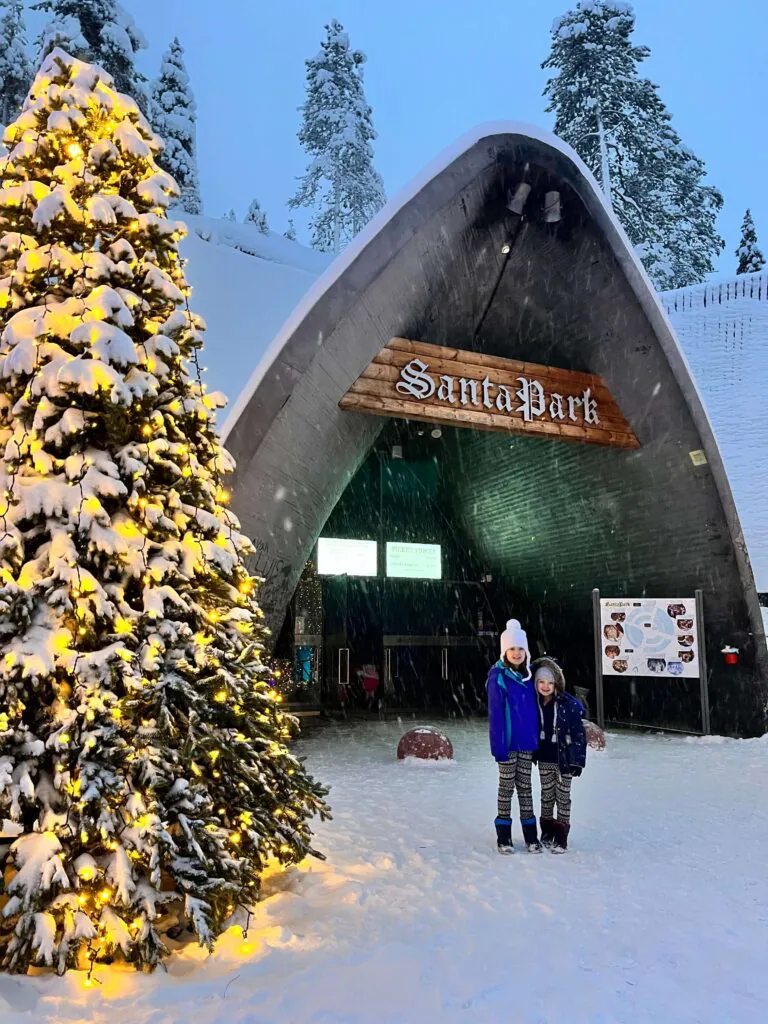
(575, 772)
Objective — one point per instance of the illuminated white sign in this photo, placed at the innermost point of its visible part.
(339, 557)
(414, 561)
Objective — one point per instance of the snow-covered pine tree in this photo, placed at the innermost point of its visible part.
(102, 32)
(174, 119)
(340, 183)
(616, 121)
(15, 69)
(230, 214)
(143, 765)
(748, 253)
(290, 231)
(257, 217)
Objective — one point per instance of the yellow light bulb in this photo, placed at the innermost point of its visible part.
(235, 839)
(146, 430)
(86, 873)
(220, 696)
(74, 150)
(82, 900)
(64, 738)
(83, 837)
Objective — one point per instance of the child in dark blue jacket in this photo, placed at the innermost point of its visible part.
(562, 751)
(513, 723)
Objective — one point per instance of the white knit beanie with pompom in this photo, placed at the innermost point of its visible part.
(515, 636)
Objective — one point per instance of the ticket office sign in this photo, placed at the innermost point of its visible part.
(650, 637)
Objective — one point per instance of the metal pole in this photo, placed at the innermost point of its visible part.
(703, 672)
(598, 658)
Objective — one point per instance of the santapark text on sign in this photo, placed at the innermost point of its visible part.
(415, 380)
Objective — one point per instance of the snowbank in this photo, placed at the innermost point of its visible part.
(723, 328)
(244, 293)
(658, 911)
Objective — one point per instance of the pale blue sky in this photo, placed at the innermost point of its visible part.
(436, 68)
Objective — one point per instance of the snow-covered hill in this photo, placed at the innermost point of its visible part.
(244, 284)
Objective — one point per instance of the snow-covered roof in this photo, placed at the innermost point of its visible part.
(238, 343)
(723, 329)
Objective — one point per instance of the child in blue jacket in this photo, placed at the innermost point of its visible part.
(562, 752)
(513, 724)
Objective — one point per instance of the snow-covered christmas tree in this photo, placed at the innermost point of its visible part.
(174, 119)
(340, 184)
(290, 231)
(748, 253)
(257, 217)
(144, 776)
(15, 70)
(616, 121)
(230, 214)
(99, 31)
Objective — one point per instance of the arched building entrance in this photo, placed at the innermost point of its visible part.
(504, 250)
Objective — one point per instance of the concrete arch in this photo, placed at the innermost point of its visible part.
(573, 296)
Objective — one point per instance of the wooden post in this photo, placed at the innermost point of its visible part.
(598, 658)
(703, 680)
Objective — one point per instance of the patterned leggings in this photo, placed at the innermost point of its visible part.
(516, 772)
(555, 789)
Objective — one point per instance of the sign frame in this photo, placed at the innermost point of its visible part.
(431, 383)
(700, 650)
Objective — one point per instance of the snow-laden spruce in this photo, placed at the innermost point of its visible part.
(340, 184)
(99, 31)
(618, 124)
(174, 118)
(257, 217)
(748, 253)
(144, 777)
(15, 70)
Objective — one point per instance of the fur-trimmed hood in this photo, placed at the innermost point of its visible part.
(554, 668)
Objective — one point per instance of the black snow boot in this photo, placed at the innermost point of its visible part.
(504, 835)
(530, 836)
(560, 844)
(547, 826)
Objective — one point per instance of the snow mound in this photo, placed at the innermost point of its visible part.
(244, 285)
(247, 238)
(722, 327)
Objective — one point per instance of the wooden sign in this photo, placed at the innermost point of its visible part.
(416, 381)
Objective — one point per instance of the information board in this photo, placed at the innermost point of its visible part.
(414, 561)
(650, 637)
(342, 557)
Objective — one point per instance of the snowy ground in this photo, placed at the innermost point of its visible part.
(658, 913)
